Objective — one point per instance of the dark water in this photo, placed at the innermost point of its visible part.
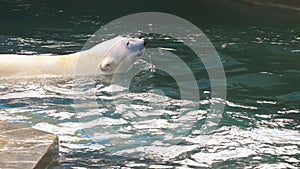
(260, 50)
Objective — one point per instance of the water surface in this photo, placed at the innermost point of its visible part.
(259, 49)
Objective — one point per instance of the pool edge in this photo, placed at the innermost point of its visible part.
(25, 147)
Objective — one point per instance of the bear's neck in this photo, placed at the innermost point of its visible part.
(84, 62)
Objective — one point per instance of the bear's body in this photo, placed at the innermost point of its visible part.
(115, 55)
(32, 65)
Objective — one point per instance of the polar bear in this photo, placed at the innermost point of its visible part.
(113, 56)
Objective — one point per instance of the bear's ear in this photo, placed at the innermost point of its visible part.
(106, 64)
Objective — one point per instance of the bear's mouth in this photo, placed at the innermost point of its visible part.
(140, 53)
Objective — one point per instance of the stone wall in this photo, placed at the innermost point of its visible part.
(289, 4)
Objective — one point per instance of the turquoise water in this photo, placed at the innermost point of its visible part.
(258, 46)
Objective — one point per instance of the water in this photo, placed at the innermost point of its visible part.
(259, 49)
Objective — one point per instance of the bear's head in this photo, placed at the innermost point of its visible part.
(121, 55)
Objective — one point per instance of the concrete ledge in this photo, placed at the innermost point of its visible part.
(25, 148)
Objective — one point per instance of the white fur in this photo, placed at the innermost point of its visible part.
(112, 56)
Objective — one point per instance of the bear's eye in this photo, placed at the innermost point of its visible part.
(107, 65)
(127, 43)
